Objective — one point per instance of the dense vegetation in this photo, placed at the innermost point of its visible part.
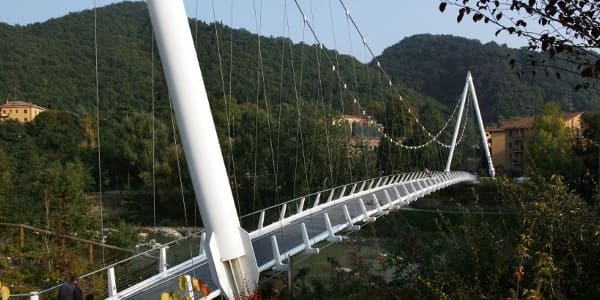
(277, 128)
(436, 66)
(542, 244)
(52, 64)
(565, 31)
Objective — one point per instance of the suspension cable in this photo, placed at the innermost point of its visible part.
(261, 84)
(178, 161)
(227, 104)
(237, 195)
(153, 139)
(340, 84)
(354, 97)
(98, 132)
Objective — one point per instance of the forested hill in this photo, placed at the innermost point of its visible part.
(52, 64)
(436, 65)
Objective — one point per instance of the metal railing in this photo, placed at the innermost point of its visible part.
(133, 269)
(260, 219)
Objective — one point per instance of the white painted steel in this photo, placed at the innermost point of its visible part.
(365, 214)
(308, 249)
(443, 179)
(332, 238)
(350, 224)
(470, 88)
(342, 192)
(282, 213)
(330, 195)
(353, 188)
(162, 260)
(112, 284)
(459, 116)
(189, 288)
(484, 142)
(301, 206)
(230, 258)
(317, 200)
(279, 265)
(261, 219)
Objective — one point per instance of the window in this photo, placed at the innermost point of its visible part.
(25, 111)
(25, 119)
(16, 110)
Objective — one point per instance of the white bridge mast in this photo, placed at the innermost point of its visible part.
(231, 257)
(470, 87)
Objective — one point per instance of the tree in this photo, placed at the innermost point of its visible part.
(60, 135)
(558, 242)
(61, 188)
(551, 146)
(588, 143)
(566, 30)
(7, 189)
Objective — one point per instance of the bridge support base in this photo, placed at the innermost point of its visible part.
(332, 237)
(308, 249)
(279, 265)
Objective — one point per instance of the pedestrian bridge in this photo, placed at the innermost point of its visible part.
(288, 229)
(275, 233)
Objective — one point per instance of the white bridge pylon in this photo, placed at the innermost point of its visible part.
(232, 258)
(470, 89)
(228, 247)
(235, 257)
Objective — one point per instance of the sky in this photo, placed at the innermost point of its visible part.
(382, 22)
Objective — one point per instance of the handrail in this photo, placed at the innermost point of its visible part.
(413, 176)
(298, 198)
(32, 228)
(138, 254)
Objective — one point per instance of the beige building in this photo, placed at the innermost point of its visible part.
(364, 129)
(507, 142)
(19, 110)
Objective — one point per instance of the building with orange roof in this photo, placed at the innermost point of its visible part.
(363, 129)
(507, 142)
(21, 111)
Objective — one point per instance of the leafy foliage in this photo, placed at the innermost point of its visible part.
(551, 147)
(52, 64)
(543, 244)
(566, 30)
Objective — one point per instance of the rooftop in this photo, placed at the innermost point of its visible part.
(525, 122)
(19, 103)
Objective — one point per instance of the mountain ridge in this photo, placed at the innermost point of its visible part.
(436, 66)
(52, 63)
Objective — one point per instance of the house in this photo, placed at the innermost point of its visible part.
(507, 142)
(21, 111)
(363, 128)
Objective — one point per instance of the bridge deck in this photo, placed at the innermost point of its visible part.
(364, 201)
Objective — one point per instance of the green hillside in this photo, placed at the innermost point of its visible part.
(274, 151)
(436, 65)
(52, 64)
